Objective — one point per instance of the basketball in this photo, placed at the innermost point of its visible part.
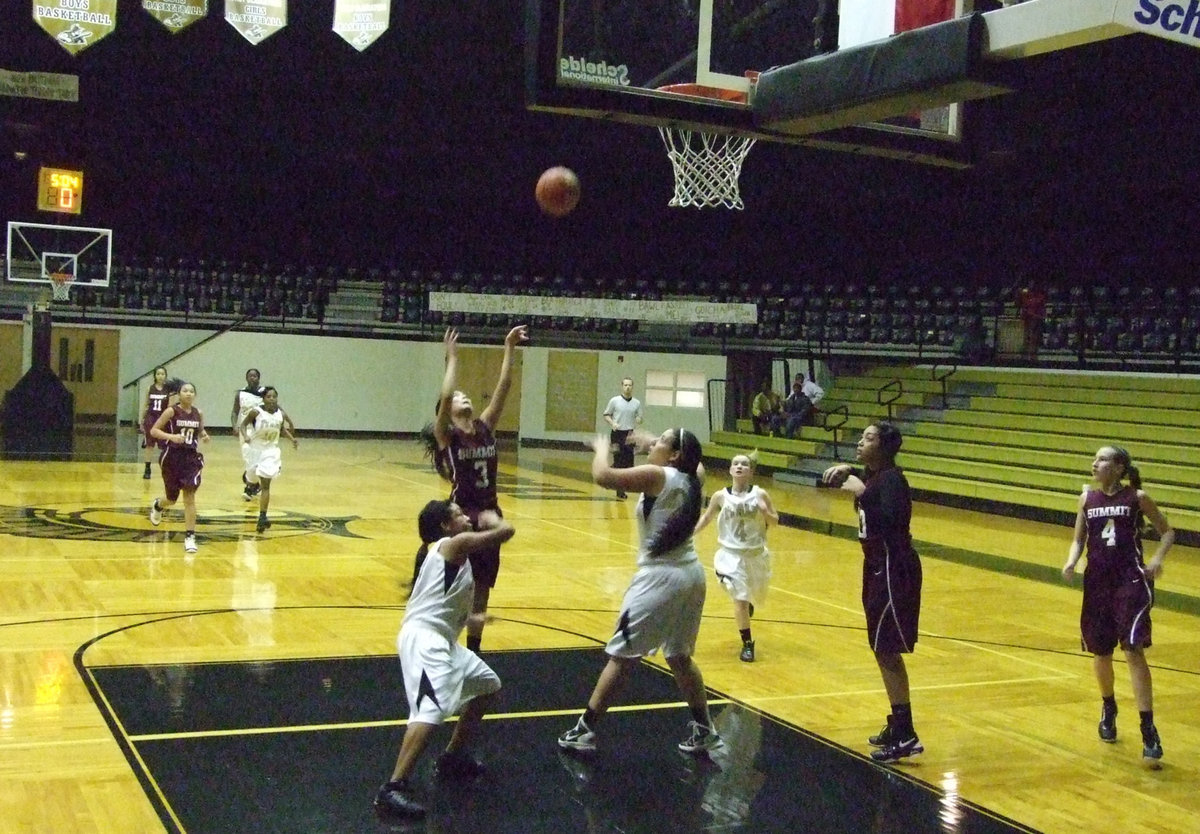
(557, 191)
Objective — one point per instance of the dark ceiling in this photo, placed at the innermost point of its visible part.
(420, 152)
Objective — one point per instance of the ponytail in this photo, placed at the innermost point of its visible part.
(1133, 475)
(680, 525)
(430, 525)
(437, 456)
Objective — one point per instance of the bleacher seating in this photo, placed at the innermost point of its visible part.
(1021, 440)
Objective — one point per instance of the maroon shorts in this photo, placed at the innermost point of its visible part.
(485, 564)
(891, 598)
(1116, 610)
(147, 440)
(180, 470)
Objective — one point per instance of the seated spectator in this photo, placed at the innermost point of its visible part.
(797, 410)
(766, 411)
(811, 390)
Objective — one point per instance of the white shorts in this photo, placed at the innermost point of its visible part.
(745, 574)
(661, 609)
(440, 676)
(262, 462)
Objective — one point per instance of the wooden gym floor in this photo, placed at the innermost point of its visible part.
(254, 687)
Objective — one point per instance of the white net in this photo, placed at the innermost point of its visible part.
(60, 285)
(707, 166)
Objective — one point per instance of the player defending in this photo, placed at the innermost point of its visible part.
(261, 430)
(891, 590)
(465, 454)
(623, 414)
(441, 677)
(742, 562)
(1118, 589)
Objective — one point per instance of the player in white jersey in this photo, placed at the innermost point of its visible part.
(742, 561)
(263, 425)
(244, 400)
(664, 603)
(441, 676)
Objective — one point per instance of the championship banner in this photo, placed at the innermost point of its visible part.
(176, 15)
(76, 24)
(256, 20)
(361, 22)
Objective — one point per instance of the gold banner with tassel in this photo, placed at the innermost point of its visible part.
(176, 15)
(361, 22)
(76, 24)
(256, 20)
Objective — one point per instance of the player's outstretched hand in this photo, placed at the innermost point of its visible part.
(450, 341)
(518, 335)
(600, 443)
(487, 519)
(641, 440)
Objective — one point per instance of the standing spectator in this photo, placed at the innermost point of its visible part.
(623, 414)
(1118, 588)
(664, 603)
(1031, 303)
(766, 411)
(891, 590)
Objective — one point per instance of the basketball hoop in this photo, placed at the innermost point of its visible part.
(60, 285)
(707, 165)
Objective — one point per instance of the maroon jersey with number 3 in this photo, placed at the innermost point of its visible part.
(473, 463)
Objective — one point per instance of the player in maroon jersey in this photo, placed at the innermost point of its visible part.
(157, 399)
(891, 591)
(464, 453)
(181, 429)
(1118, 587)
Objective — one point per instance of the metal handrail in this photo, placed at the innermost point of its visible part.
(828, 426)
(945, 385)
(899, 386)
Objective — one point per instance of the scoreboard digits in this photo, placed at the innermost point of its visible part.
(60, 190)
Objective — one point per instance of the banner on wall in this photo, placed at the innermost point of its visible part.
(176, 15)
(361, 22)
(256, 20)
(76, 24)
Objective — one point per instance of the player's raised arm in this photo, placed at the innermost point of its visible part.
(491, 414)
(442, 421)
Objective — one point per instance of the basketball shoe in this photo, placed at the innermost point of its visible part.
(702, 740)
(580, 737)
(395, 800)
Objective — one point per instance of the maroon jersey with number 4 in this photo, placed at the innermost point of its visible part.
(1114, 537)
